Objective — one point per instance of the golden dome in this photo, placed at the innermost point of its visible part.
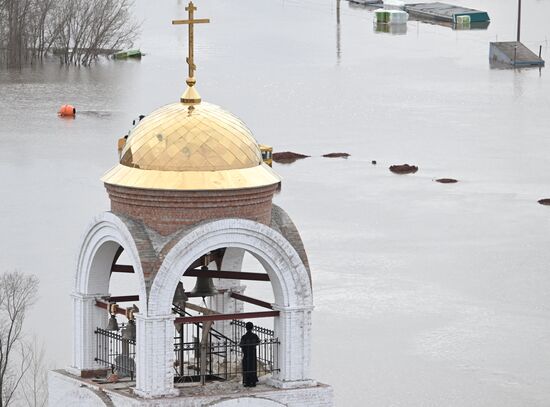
(197, 147)
(202, 137)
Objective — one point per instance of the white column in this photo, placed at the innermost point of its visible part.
(86, 318)
(293, 329)
(155, 356)
(223, 303)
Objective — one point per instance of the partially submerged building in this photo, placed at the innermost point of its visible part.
(513, 54)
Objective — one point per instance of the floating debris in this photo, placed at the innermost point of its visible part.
(368, 2)
(288, 157)
(373, 162)
(337, 155)
(545, 201)
(403, 169)
(67, 111)
(130, 53)
(384, 16)
(446, 180)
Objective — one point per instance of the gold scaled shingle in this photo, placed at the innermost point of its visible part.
(199, 147)
(202, 137)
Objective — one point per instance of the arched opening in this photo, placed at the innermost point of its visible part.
(116, 339)
(101, 307)
(283, 271)
(213, 303)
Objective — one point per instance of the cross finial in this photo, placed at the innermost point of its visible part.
(191, 96)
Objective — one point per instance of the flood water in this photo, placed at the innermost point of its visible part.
(426, 294)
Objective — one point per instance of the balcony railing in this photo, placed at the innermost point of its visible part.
(116, 353)
(218, 358)
(222, 360)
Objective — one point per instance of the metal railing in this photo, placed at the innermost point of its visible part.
(115, 352)
(218, 357)
(221, 360)
(239, 329)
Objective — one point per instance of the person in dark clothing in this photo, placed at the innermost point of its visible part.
(248, 344)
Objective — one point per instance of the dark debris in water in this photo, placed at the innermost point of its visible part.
(545, 201)
(337, 155)
(288, 157)
(403, 169)
(446, 180)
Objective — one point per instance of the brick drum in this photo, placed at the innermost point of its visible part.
(168, 211)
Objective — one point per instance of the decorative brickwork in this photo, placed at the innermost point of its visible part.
(281, 222)
(168, 211)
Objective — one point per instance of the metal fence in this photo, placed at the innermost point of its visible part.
(115, 352)
(217, 358)
(220, 360)
(239, 329)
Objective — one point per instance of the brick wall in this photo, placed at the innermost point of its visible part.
(169, 211)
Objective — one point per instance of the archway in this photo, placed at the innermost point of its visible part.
(288, 276)
(291, 288)
(100, 247)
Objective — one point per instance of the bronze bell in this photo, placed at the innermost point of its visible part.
(204, 287)
(180, 298)
(112, 325)
(129, 331)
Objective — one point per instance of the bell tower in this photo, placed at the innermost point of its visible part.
(190, 198)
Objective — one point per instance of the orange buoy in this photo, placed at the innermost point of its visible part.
(67, 110)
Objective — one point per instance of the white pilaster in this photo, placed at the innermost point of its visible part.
(155, 356)
(293, 328)
(86, 318)
(225, 304)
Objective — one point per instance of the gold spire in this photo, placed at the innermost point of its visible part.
(191, 96)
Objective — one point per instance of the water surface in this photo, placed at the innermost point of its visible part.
(426, 294)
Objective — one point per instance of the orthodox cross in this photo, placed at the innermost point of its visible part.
(191, 22)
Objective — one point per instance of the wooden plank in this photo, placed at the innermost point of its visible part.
(232, 275)
(225, 317)
(124, 298)
(122, 268)
(117, 255)
(251, 300)
(198, 308)
(104, 305)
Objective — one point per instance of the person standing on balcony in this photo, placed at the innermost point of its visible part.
(248, 344)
